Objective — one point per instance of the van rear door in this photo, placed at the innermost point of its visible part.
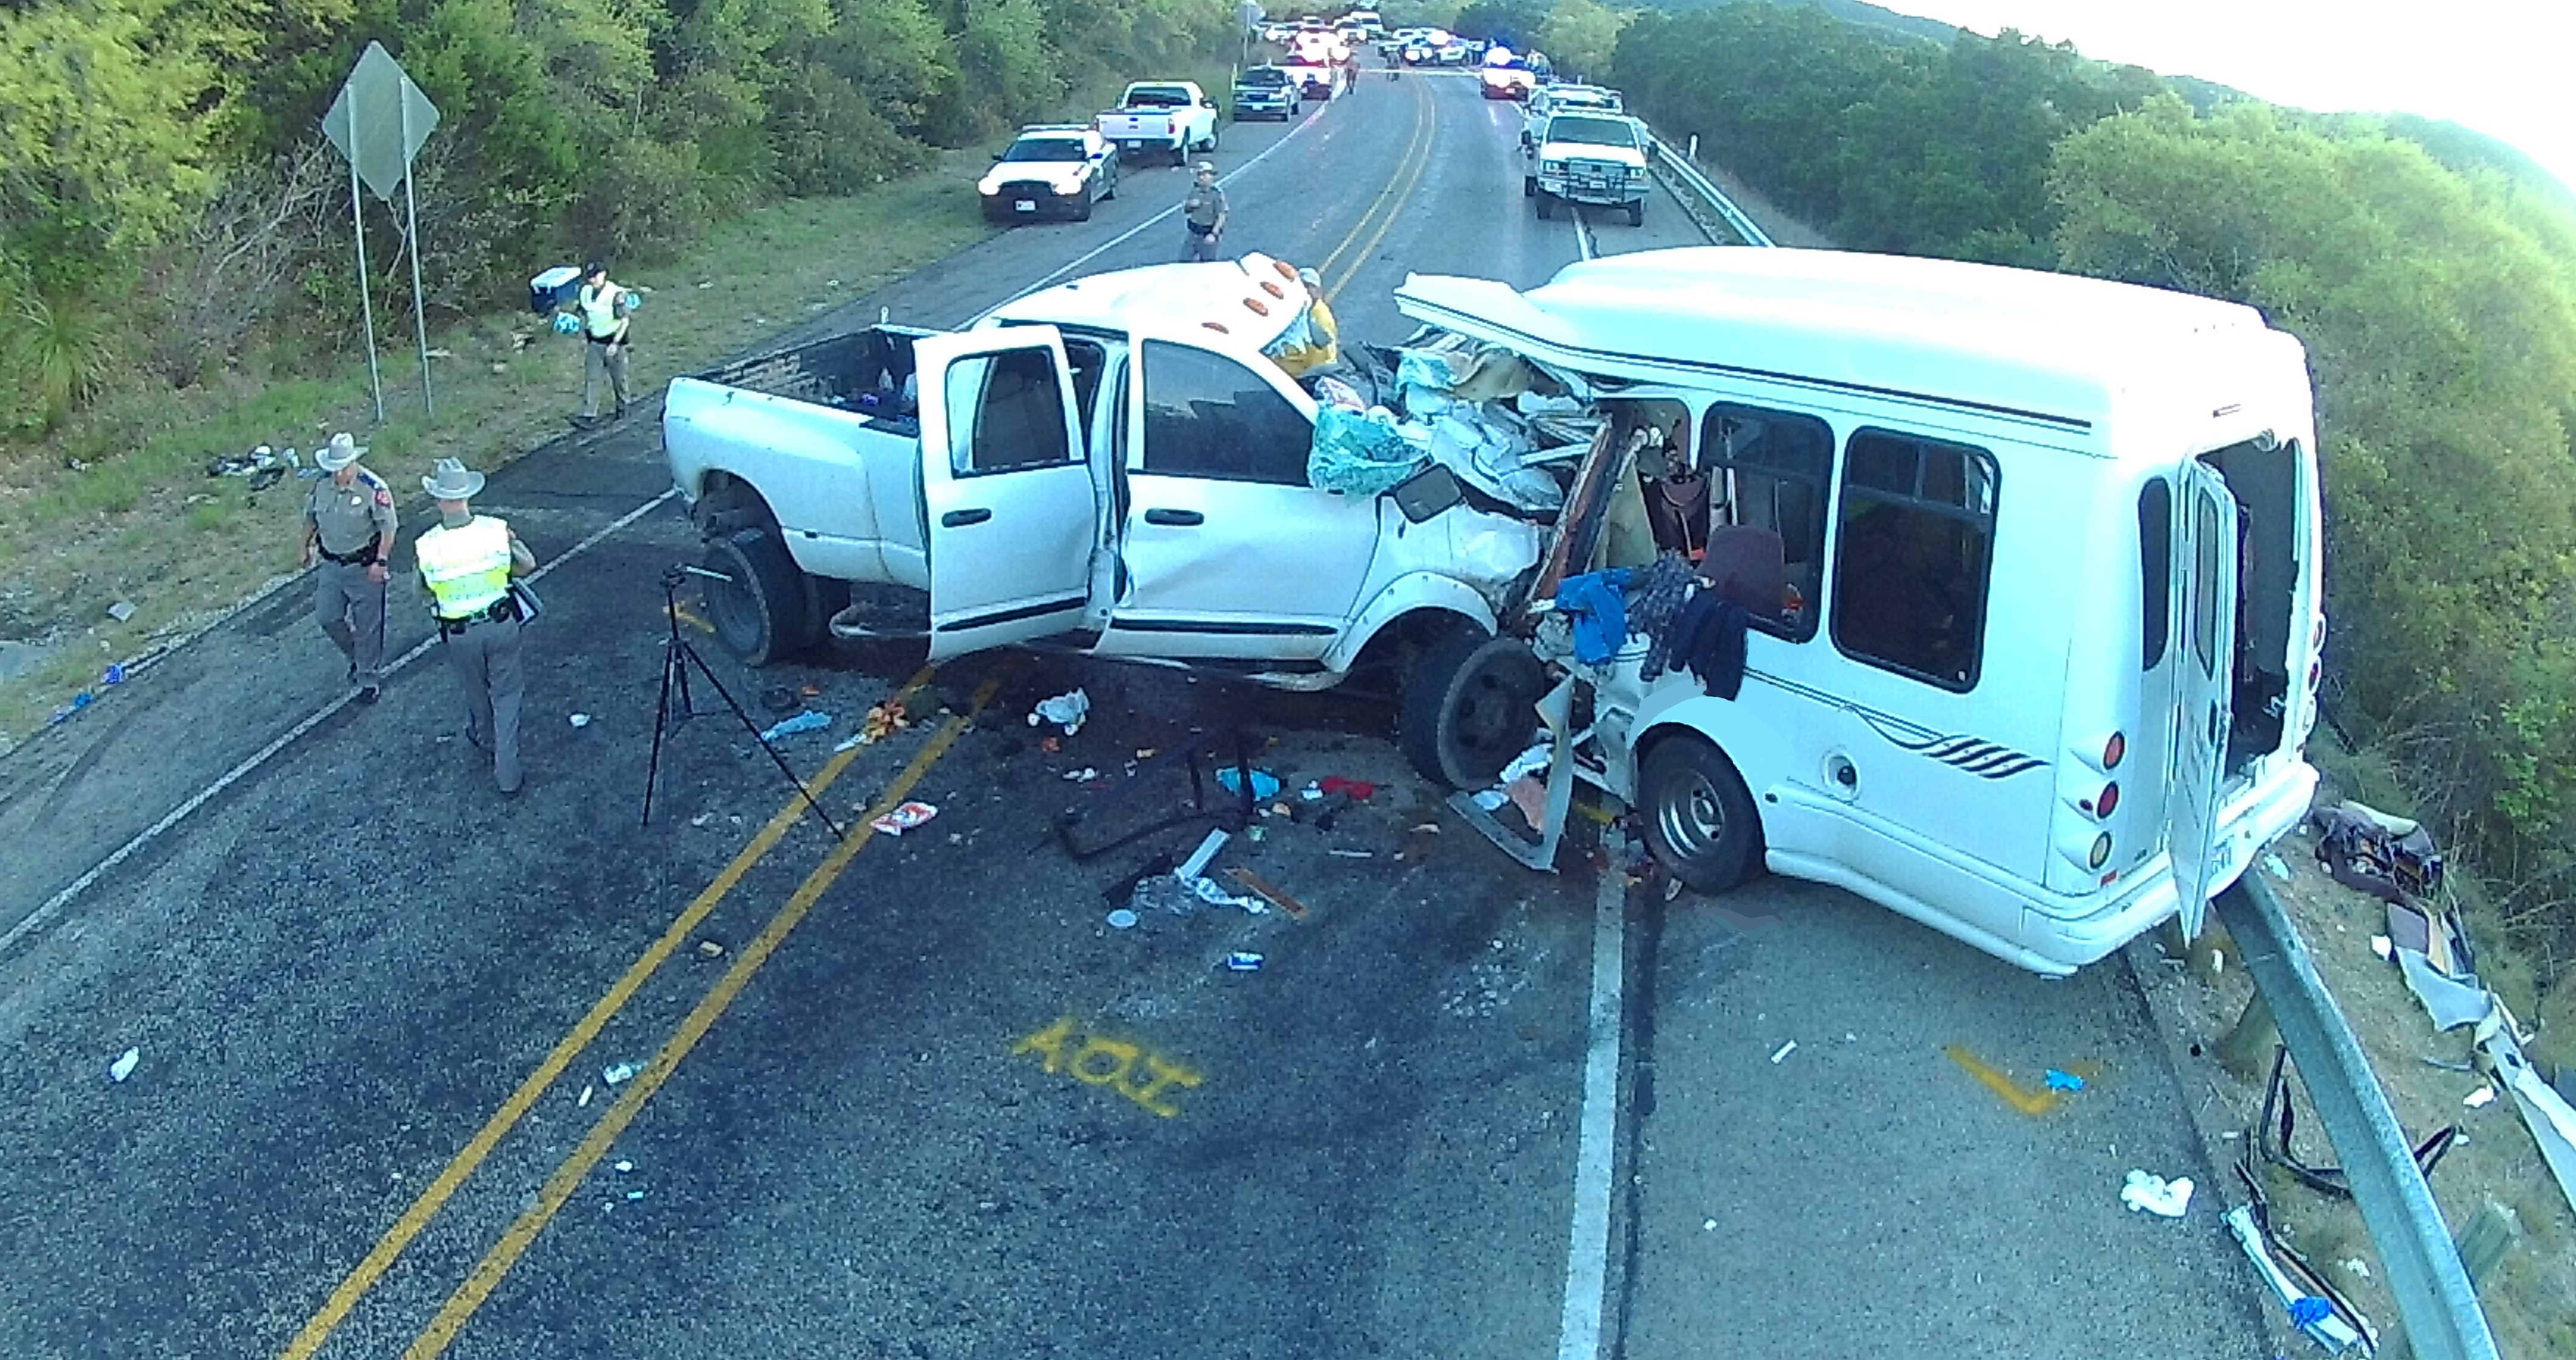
(2203, 683)
(1006, 489)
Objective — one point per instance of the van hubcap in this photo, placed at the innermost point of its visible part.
(1691, 818)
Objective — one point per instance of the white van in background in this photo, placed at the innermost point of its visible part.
(2045, 553)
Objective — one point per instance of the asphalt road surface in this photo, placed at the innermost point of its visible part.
(915, 1096)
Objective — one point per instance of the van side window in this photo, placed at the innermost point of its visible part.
(1912, 549)
(1208, 416)
(1012, 410)
(2155, 572)
(1772, 469)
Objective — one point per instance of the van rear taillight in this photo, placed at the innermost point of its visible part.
(2107, 801)
(2113, 750)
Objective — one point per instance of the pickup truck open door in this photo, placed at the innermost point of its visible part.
(1006, 487)
(2203, 688)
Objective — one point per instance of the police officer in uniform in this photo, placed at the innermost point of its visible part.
(604, 308)
(349, 521)
(467, 561)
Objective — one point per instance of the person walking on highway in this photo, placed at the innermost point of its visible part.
(606, 311)
(349, 521)
(467, 561)
(1203, 216)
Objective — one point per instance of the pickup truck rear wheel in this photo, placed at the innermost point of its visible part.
(1637, 213)
(1467, 709)
(756, 601)
(1700, 819)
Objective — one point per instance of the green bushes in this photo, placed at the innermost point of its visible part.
(161, 207)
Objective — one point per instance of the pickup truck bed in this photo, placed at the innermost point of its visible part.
(865, 370)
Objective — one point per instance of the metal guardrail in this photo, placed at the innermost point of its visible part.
(2435, 1300)
(1689, 177)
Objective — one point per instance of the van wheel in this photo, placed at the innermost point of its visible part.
(1700, 820)
(1637, 213)
(756, 601)
(1546, 204)
(1467, 709)
(1529, 186)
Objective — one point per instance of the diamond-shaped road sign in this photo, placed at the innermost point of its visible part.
(379, 121)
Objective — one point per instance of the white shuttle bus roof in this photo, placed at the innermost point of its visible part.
(2057, 349)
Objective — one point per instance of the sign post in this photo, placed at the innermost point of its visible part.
(379, 122)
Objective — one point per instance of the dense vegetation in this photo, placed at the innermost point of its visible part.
(166, 198)
(2431, 272)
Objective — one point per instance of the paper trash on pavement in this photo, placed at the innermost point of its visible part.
(903, 818)
(2155, 1195)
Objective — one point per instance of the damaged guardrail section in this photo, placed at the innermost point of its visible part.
(1687, 177)
(2435, 1300)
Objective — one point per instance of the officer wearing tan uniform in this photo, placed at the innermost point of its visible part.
(467, 561)
(349, 520)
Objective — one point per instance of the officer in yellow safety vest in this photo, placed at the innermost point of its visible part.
(605, 311)
(467, 561)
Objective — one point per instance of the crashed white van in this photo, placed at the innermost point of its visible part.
(2046, 554)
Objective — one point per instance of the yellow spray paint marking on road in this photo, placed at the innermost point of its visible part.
(2032, 1103)
(381, 1257)
(567, 1178)
(1100, 1061)
(681, 612)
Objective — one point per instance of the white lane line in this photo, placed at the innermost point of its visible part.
(1587, 1255)
(1121, 238)
(54, 905)
(1582, 231)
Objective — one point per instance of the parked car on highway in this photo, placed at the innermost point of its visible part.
(1457, 52)
(1506, 75)
(1161, 118)
(1050, 170)
(1595, 158)
(1316, 79)
(1562, 97)
(1267, 92)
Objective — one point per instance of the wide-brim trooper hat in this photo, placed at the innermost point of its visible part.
(339, 453)
(450, 480)
(1205, 168)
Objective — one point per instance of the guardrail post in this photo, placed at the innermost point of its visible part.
(2435, 1300)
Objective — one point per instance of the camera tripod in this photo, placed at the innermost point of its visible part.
(676, 707)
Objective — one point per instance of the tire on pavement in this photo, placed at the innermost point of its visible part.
(757, 602)
(1467, 708)
(1701, 821)
(1637, 212)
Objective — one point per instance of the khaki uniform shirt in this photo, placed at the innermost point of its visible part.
(349, 518)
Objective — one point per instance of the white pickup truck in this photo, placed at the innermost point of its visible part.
(1161, 117)
(1110, 467)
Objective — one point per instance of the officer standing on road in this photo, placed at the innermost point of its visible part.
(349, 520)
(467, 561)
(1203, 215)
(606, 311)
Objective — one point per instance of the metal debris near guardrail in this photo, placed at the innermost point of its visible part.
(1697, 191)
(2435, 1299)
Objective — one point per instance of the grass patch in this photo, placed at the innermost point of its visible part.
(118, 506)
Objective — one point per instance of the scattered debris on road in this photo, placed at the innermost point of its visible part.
(123, 1067)
(1243, 961)
(1067, 711)
(709, 949)
(2154, 1194)
(1267, 890)
(618, 1073)
(904, 818)
(1783, 1051)
(1122, 919)
(809, 721)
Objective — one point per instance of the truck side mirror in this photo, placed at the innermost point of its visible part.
(1427, 493)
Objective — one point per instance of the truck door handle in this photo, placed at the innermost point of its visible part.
(955, 518)
(1179, 518)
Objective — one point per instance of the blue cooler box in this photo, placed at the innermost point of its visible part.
(554, 289)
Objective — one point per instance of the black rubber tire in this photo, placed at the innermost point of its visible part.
(1468, 709)
(1212, 136)
(1082, 211)
(1637, 213)
(760, 608)
(1701, 822)
(1529, 186)
(1546, 205)
(1109, 187)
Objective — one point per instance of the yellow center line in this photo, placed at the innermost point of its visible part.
(1416, 145)
(381, 1257)
(559, 1188)
(1421, 166)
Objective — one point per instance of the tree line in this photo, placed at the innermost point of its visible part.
(2430, 271)
(166, 197)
